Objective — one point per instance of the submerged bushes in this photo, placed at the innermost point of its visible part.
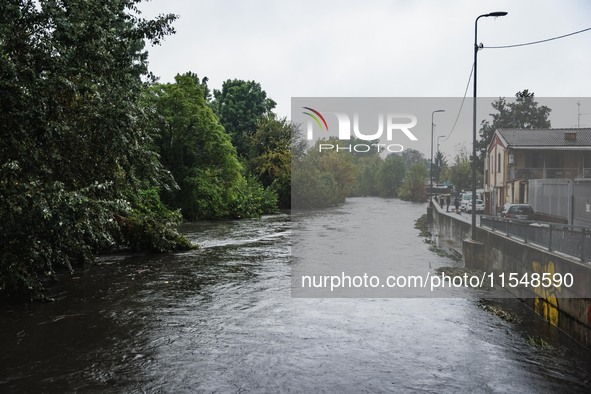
(47, 228)
(95, 155)
(74, 146)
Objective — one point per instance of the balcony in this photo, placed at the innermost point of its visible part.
(549, 173)
(527, 173)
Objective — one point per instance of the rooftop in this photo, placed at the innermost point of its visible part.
(530, 138)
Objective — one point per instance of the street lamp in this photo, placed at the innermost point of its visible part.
(431, 166)
(476, 48)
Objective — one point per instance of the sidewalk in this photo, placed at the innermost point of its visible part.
(463, 216)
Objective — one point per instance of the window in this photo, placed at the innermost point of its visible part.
(533, 160)
(587, 160)
(499, 162)
(521, 210)
(587, 165)
(554, 160)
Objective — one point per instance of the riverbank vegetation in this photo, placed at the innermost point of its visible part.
(97, 155)
(327, 178)
(196, 149)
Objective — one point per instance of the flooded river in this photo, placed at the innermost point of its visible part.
(222, 319)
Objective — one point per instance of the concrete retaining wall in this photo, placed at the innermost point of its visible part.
(567, 308)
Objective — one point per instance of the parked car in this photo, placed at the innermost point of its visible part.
(518, 211)
(466, 198)
(479, 206)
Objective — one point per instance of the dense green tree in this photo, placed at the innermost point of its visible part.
(460, 172)
(413, 188)
(322, 179)
(74, 152)
(368, 164)
(313, 188)
(240, 105)
(439, 164)
(270, 155)
(201, 82)
(366, 183)
(194, 147)
(523, 113)
(299, 144)
(445, 175)
(413, 157)
(391, 175)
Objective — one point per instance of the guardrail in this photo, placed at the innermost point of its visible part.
(571, 240)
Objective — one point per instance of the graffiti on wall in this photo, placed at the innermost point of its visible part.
(546, 301)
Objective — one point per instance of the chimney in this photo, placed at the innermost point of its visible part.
(570, 135)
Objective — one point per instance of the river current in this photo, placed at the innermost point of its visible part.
(223, 319)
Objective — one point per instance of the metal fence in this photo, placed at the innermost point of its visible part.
(571, 240)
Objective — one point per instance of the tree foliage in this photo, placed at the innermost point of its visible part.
(413, 157)
(240, 105)
(74, 150)
(270, 155)
(366, 183)
(523, 113)
(195, 148)
(413, 187)
(322, 179)
(460, 172)
(439, 165)
(391, 175)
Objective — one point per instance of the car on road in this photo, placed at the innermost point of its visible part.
(466, 198)
(479, 206)
(518, 211)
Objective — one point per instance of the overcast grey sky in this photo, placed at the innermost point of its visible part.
(388, 48)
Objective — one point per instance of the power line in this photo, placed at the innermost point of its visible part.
(537, 42)
(504, 47)
(461, 105)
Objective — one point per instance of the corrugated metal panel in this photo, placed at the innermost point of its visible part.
(582, 202)
(551, 196)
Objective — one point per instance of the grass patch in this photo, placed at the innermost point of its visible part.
(538, 342)
(496, 310)
(443, 253)
(423, 224)
(440, 252)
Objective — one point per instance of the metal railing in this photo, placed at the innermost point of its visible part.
(571, 240)
(546, 173)
(527, 173)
